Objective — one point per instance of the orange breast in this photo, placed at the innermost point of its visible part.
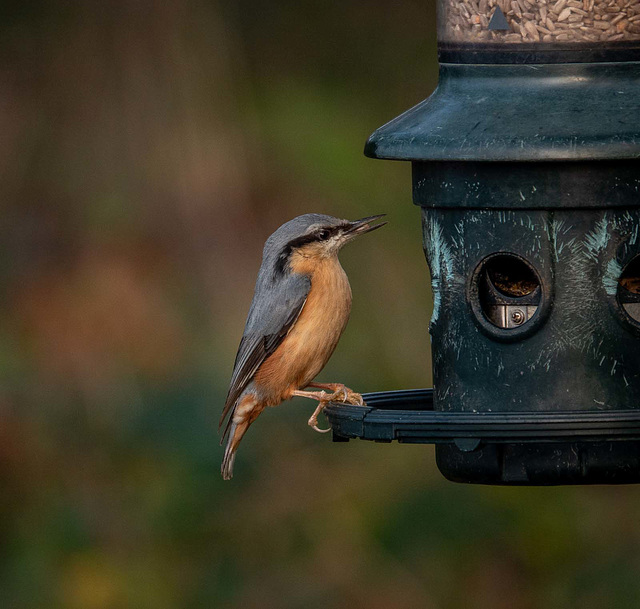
(312, 339)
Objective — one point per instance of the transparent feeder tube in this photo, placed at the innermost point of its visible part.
(537, 21)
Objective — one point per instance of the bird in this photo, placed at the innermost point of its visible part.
(300, 307)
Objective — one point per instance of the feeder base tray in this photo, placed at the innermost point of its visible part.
(526, 448)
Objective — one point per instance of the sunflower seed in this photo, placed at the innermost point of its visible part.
(542, 20)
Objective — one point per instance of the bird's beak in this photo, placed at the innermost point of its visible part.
(360, 227)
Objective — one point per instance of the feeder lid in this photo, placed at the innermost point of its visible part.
(551, 112)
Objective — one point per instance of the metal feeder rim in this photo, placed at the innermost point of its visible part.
(408, 416)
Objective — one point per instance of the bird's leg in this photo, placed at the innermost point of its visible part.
(348, 395)
(323, 399)
(340, 391)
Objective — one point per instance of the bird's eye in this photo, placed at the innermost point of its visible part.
(323, 234)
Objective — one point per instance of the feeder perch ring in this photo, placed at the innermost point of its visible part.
(408, 417)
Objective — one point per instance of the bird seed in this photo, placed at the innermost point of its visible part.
(541, 20)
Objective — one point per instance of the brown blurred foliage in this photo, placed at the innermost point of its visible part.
(148, 150)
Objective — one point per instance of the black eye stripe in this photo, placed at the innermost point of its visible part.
(322, 234)
(326, 233)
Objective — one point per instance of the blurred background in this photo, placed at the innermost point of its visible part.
(147, 151)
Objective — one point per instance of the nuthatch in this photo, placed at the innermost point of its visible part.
(300, 308)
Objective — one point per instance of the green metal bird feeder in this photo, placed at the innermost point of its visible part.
(526, 167)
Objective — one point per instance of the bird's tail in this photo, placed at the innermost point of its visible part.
(235, 433)
(242, 417)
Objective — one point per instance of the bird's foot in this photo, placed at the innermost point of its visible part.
(341, 393)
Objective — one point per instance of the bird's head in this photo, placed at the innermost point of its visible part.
(316, 236)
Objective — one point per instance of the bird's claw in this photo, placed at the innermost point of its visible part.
(313, 421)
(316, 428)
(357, 399)
(353, 398)
(348, 396)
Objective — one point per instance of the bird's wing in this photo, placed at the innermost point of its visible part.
(274, 310)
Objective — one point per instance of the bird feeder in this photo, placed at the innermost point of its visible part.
(526, 167)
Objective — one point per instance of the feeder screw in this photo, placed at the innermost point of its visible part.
(517, 317)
